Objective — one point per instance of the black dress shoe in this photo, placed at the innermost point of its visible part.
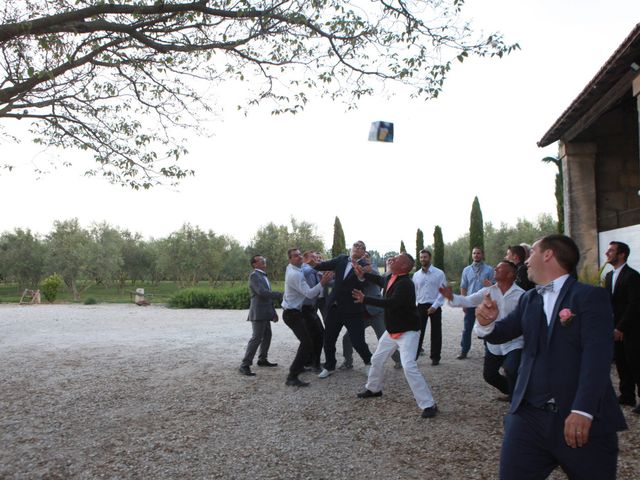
(435, 362)
(369, 394)
(462, 356)
(245, 370)
(430, 412)
(266, 363)
(296, 382)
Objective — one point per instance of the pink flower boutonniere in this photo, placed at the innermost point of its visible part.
(566, 317)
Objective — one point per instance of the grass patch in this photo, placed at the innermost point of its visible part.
(161, 292)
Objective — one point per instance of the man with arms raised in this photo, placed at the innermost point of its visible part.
(296, 290)
(564, 410)
(507, 355)
(340, 308)
(402, 332)
(310, 309)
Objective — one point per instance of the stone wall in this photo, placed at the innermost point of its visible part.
(601, 168)
(618, 168)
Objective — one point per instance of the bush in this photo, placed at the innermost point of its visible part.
(50, 287)
(90, 301)
(229, 298)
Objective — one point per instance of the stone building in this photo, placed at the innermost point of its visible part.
(599, 145)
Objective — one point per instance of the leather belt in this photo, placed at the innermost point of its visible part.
(547, 407)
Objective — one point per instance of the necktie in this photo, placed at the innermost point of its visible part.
(541, 289)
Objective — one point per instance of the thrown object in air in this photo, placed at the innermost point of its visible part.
(381, 132)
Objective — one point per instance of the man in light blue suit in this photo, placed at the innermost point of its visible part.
(564, 410)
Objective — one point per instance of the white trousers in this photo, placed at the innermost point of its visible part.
(408, 345)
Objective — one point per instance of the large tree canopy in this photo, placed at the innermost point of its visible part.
(120, 78)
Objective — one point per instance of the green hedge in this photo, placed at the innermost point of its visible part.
(231, 298)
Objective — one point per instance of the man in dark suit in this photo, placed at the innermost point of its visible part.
(373, 317)
(261, 314)
(341, 309)
(564, 410)
(517, 255)
(623, 285)
(402, 331)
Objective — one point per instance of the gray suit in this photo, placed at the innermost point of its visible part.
(261, 313)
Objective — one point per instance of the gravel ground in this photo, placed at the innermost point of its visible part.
(120, 391)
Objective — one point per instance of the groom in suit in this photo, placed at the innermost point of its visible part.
(623, 285)
(564, 410)
(341, 309)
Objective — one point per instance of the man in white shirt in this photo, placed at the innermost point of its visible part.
(428, 280)
(506, 294)
(296, 290)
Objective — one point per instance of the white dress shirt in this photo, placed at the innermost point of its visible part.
(427, 285)
(296, 288)
(265, 277)
(506, 302)
(614, 277)
(549, 299)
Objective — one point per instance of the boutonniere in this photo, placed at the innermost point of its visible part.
(566, 317)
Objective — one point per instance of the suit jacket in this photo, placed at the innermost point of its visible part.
(340, 295)
(372, 289)
(522, 278)
(578, 353)
(261, 307)
(399, 303)
(625, 301)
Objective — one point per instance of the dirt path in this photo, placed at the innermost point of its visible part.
(119, 391)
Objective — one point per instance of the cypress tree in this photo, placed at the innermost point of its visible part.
(419, 246)
(438, 248)
(476, 227)
(559, 192)
(339, 244)
(403, 249)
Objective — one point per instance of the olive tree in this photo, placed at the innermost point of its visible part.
(68, 248)
(21, 258)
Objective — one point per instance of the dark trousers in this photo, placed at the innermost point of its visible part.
(316, 332)
(354, 324)
(491, 370)
(377, 323)
(534, 445)
(295, 321)
(436, 330)
(260, 337)
(467, 329)
(627, 357)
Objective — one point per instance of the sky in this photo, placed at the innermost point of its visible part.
(477, 139)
